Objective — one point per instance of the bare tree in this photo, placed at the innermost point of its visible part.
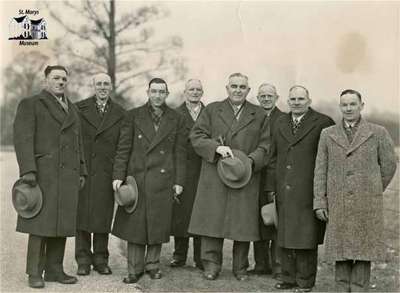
(122, 44)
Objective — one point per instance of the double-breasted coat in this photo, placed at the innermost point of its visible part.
(157, 160)
(267, 232)
(100, 139)
(220, 211)
(182, 212)
(349, 181)
(48, 142)
(291, 176)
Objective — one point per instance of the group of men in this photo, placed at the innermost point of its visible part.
(316, 172)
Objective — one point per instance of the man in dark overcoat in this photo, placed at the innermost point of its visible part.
(294, 148)
(48, 146)
(220, 211)
(266, 251)
(190, 110)
(152, 149)
(101, 121)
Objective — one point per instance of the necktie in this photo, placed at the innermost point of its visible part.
(296, 125)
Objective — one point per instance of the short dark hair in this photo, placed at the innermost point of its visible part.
(158, 80)
(49, 68)
(351, 92)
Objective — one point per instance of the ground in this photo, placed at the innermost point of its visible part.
(384, 278)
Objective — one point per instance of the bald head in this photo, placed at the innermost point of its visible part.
(193, 91)
(102, 86)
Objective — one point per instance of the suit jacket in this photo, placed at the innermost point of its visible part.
(291, 174)
(220, 211)
(182, 212)
(100, 139)
(157, 160)
(349, 181)
(48, 142)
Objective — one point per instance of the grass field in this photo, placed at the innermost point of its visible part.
(385, 275)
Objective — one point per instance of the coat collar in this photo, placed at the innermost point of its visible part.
(56, 110)
(307, 125)
(226, 113)
(166, 126)
(340, 137)
(185, 111)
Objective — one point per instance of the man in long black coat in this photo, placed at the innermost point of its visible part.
(182, 211)
(290, 174)
(101, 120)
(266, 251)
(47, 140)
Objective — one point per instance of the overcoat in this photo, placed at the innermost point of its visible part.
(267, 232)
(349, 181)
(220, 211)
(48, 141)
(157, 160)
(182, 212)
(294, 157)
(100, 139)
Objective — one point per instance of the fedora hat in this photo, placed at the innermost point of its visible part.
(127, 195)
(27, 200)
(235, 172)
(269, 215)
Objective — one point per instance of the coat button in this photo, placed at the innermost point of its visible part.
(61, 165)
(93, 155)
(162, 171)
(349, 173)
(162, 152)
(139, 136)
(350, 192)
(288, 167)
(288, 187)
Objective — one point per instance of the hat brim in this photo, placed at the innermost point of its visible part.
(241, 183)
(269, 214)
(130, 180)
(27, 214)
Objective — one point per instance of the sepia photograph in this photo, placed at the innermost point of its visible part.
(199, 146)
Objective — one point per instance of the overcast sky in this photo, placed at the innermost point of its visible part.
(325, 46)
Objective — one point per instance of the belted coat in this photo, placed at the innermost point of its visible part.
(48, 142)
(100, 139)
(182, 211)
(157, 160)
(349, 181)
(291, 175)
(220, 211)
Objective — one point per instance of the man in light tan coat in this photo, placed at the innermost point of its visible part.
(355, 163)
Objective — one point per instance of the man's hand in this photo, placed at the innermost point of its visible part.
(29, 178)
(270, 196)
(81, 182)
(322, 214)
(116, 184)
(177, 189)
(224, 151)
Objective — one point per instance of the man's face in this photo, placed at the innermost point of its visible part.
(267, 97)
(351, 107)
(56, 81)
(102, 86)
(157, 94)
(298, 101)
(237, 89)
(193, 91)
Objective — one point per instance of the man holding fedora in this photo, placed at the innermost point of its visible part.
(266, 251)
(232, 137)
(49, 150)
(152, 149)
(101, 120)
(190, 110)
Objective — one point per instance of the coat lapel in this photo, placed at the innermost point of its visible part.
(55, 109)
(226, 113)
(89, 112)
(245, 118)
(166, 125)
(362, 134)
(285, 129)
(307, 125)
(339, 136)
(110, 118)
(144, 122)
(71, 116)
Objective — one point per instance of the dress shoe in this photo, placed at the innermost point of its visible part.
(210, 276)
(35, 281)
(62, 278)
(83, 270)
(241, 277)
(131, 279)
(176, 263)
(155, 274)
(102, 269)
(199, 266)
(260, 272)
(302, 289)
(285, 286)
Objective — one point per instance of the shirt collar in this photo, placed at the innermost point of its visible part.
(353, 124)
